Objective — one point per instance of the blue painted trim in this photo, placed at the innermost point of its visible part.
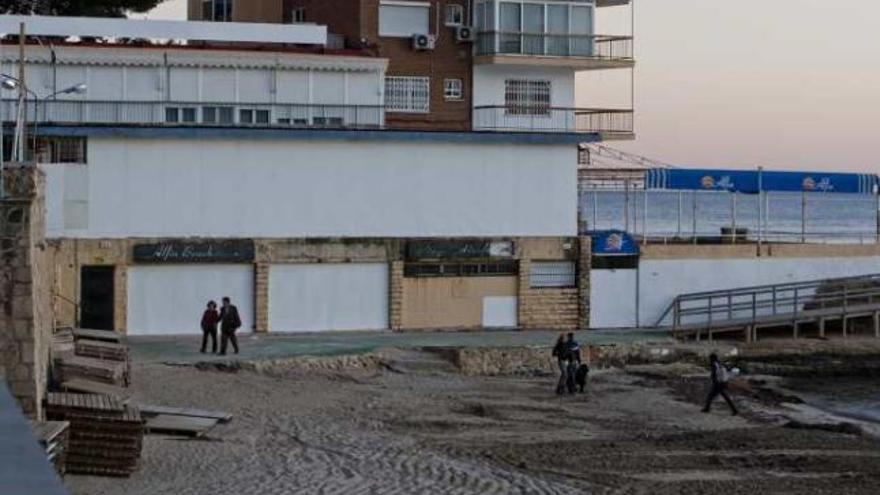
(167, 132)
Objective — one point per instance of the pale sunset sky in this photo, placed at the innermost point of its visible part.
(780, 83)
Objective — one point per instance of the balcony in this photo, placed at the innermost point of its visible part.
(610, 123)
(198, 114)
(580, 51)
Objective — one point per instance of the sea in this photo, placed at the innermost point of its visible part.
(856, 398)
(827, 218)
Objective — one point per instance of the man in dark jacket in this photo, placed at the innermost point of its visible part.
(230, 321)
(210, 318)
(573, 356)
(720, 377)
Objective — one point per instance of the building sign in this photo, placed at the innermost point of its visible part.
(614, 243)
(755, 181)
(195, 252)
(421, 250)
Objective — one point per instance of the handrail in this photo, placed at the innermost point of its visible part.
(782, 297)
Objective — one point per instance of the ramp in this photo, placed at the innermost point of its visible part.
(746, 310)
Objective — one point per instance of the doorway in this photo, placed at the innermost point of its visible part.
(97, 297)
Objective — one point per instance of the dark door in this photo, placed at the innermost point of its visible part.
(96, 297)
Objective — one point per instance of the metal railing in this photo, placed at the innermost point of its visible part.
(589, 46)
(551, 119)
(752, 304)
(751, 237)
(197, 114)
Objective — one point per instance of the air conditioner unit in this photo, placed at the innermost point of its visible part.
(465, 34)
(423, 41)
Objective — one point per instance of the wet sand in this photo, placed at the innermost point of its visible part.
(410, 423)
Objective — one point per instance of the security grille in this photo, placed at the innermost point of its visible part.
(550, 274)
(527, 97)
(407, 94)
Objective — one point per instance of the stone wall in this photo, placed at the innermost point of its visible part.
(26, 279)
(545, 308)
(585, 263)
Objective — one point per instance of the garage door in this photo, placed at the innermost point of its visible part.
(170, 299)
(320, 297)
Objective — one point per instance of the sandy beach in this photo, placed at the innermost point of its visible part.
(409, 422)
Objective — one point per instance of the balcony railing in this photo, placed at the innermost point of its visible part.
(198, 114)
(552, 119)
(596, 47)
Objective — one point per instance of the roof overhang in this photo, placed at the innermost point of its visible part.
(230, 32)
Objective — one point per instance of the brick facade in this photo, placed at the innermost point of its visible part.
(546, 308)
(395, 296)
(26, 317)
(585, 262)
(358, 22)
(261, 297)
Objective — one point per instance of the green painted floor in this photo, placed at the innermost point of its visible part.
(185, 349)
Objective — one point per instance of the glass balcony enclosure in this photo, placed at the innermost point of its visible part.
(537, 28)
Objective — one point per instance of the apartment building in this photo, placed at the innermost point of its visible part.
(179, 173)
(484, 65)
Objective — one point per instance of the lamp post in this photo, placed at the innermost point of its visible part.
(10, 83)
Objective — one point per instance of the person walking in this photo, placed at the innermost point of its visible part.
(210, 318)
(230, 322)
(559, 352)
(720, 377)
(573, 362)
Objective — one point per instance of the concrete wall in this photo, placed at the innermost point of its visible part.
(451, 302)
(303, 189)
(668, 271)
(489, 83)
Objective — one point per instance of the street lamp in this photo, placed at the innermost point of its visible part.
(11, 83)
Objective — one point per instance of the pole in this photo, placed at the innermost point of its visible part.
(626, 205)
(803, 217)
(876, 211)
(760, 207)
(595, 196)
(680, 208)
(695, 216)
(22, 99)
(2, 125)
(733, 214)
(645, 217)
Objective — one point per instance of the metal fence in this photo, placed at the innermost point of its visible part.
(197, 114)
(537, 118)
(713, 216)
(599, 47)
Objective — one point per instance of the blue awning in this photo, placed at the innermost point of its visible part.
(754, 181)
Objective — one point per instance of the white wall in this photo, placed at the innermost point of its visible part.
(170, 299)
(234, 188)
(489, 83)
(612, 297)
(322, 297)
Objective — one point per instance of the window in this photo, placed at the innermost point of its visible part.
(407, 94)
(61, 150)
(454, 15)
(527, 97)
(251, 116)
(328, 121)
(511, 24)
(218, 115)
(452, 89)
(403, 19)
(461, 269)
(298, 14)
(174, 115)
(553, 274)
(217, 10)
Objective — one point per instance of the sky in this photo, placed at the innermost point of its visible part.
(791, 84)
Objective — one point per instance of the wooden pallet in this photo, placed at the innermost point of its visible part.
(102, 335)
(151, 410)
(92, 387)
(102, 350)
(93, 404)
(99, 370)
(54, 438)
(63, 342)
(180, 425)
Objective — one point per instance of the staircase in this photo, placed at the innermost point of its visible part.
(747, 310)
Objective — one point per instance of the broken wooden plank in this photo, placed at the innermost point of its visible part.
(180, 425)
(150, 410)
(102, 335)
(92, 387)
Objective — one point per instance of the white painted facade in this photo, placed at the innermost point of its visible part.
(170, 299)
(151, 79)
(314, 188)
(327, 296)
(615, 293)
(490, 89)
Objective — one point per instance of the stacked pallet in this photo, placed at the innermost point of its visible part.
(54, 438)
(62, 342)
(106, 351)
(105, 436)
(85, 368)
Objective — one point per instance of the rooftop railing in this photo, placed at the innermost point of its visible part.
(197, 114)
(537, 118)
(589, 46)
